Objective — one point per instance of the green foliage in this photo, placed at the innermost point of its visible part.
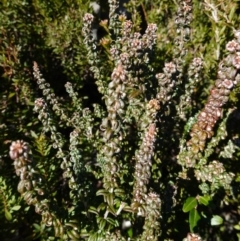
(122, 117)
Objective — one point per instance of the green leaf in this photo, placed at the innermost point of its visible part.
(33, 134)
(232, 12)
(84, 233)
(15, 80)
(237, 226)
(204, 200)
(73, 234)
(119, 192)
(237, 178)
(93, 210)
(37, 227)
(128, 209)
(130, 232)
(109, 199)
(16, 208)
(112, 210)
(102, 224)
(194, 217)
(190, 204)
(216, 220)
(102, 192)
(11, 95)
(113, 222)
(8, 215)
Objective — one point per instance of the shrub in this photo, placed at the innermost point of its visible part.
(141, 142)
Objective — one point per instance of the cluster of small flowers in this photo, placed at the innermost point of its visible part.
(149, 117)
(113, 236)
(166, 81)
(87, 21)
(151, 228)
(229, 150)
(135, 44)
(193, 237)
(40, 107)
(19, 152)
(129, 48)
(76, 101)
(126, 28)
(150, 36)
(216, 174)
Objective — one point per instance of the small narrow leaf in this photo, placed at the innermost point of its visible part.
(237, 226)
(84, 233)
(112, 222)
(109, 199)
(93, 210)
(119, 192)
(128, 209)
(11, 95)
(216, 220)
(112, 210)
(102, 224)
(204, 200)
(72, 236)
(101, 192)
(8, 215)
(193, 219)
(130, 232)
(16, 208)
(37, 227)
(33, 134)
(190, 204)
(102, 206)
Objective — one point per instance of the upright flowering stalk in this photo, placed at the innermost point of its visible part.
(31, 187)
(34, 191)
(193, 77)
(93, 59)
(151, 228)
(143, 159)
(48, 93)
(183, 20)
(48, 126)
(111, 126)
(129, 54)
(202, 130)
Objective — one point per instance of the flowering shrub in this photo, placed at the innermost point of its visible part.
(142, 142)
